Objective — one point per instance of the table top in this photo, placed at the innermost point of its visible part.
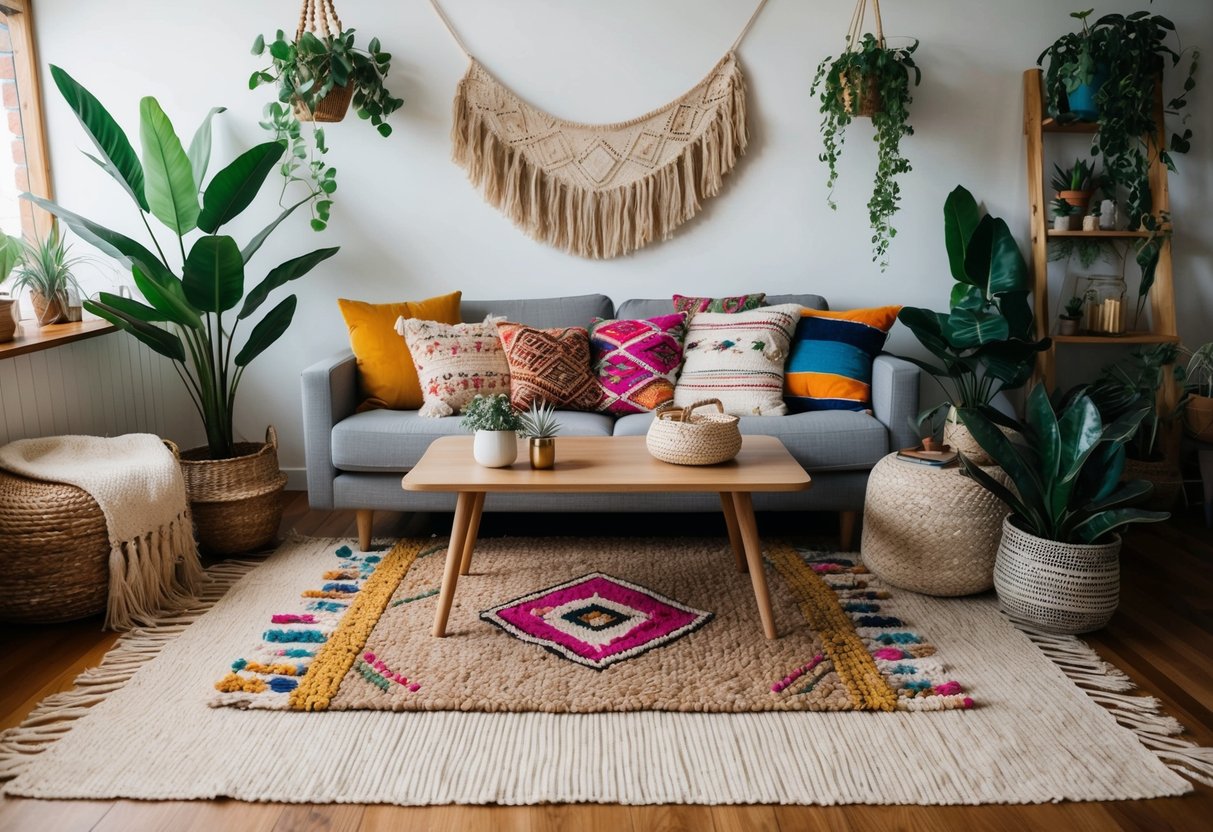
(604, 464)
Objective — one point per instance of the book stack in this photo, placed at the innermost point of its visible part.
(920, 457)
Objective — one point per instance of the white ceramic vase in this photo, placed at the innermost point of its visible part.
(495, 448)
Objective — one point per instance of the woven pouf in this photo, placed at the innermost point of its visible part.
(54, 552)
(931, 530)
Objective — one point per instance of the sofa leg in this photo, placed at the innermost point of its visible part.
(364, 517)
(847, 521)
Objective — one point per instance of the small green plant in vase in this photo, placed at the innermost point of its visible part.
(1075, 184)
(540, 427)
(869, 79)
(1062, 212)
(1068, 321)
(495, 424)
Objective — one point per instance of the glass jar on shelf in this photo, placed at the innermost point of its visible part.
(1104, 304)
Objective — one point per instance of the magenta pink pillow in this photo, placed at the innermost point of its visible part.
(636, 362)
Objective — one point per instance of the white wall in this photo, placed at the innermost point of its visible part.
(410, 225)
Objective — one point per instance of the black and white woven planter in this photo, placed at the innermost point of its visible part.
(1056, 587)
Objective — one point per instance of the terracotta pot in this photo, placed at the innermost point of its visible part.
(1079, 199)
(8, 321)
(1164, 474)
(1198, 417)
(48, 310)
(236, 503)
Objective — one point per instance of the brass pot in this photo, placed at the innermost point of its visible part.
(542, 451)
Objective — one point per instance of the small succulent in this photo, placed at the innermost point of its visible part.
(1074, 308)
(1061, 208)
(540, 421)
(490, 413)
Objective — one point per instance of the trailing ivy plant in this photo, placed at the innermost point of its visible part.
(844, 83)
(1130, 54)
(306, 70)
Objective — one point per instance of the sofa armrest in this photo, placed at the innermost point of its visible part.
(895, 398)
(330, 393)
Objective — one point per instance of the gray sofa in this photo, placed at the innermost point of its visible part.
(356, 460)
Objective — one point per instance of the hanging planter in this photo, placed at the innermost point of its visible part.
(319, 74)
(869, 80)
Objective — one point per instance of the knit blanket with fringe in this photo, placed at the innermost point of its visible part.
(137, 483)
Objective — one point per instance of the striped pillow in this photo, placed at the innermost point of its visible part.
(738, 358)
(831, 363)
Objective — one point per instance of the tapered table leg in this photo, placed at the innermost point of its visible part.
(730, 520)
(473, 530)
(748, 527)
(454, 558)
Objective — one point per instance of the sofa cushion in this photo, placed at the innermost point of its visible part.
(386, 375)
(636, 361)
(738, 358)
(652, 307)
(736, 303)
(543, 313)
(825, 440)
(455, 363)
(393, 440)
(830, 366)
(549, 366)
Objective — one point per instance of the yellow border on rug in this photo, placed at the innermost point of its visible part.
(842, 645)
(318, 686)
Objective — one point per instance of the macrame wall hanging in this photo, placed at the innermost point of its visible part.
(599, 190)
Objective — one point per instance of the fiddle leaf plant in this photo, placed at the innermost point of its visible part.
(188, 296)
(306, 70)
(870, 71)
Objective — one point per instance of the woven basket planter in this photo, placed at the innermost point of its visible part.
(1057, 587)
(1198, 416)
(680, 436)
(332, 107)
(1163, 474)
(8, 323)
(237, 503)
(931, 530)
(54, 552)
(865, 105)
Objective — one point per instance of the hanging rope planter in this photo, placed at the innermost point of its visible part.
(320, 18)
(861, 91)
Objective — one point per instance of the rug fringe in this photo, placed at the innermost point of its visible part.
(1141, 714)
(54, 715)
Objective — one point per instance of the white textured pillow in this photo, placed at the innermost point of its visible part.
(738, 358)
(455, 362)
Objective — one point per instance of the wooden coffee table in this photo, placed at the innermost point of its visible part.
(607, 464)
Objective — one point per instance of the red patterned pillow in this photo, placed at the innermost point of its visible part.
(550, 365)
(730, 305)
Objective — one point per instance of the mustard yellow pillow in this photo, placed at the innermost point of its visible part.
(386, 375)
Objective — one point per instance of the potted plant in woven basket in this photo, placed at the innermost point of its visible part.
(45, 271)
(197, 311)
(872, 80)
(318, 74)
(1057, 567)
(986, 343)
(10, 253)
(495, 424)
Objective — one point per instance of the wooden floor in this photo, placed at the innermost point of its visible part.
(1162, 637)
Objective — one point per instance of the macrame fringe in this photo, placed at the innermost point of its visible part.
(1140, 714)
(152, 574)
(600, 224)
(55, 715)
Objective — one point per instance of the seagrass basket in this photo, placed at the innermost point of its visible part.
(237, 503)
(331, 108)
(681, 436)
(860, 96)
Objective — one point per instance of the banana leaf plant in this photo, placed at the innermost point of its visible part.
(187, 298)
(986, 342)
(1066, 476)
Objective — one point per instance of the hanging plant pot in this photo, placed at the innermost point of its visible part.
(861, 95)
(331, 108)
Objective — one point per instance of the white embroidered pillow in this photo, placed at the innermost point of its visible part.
(738, 358)
(455, 362)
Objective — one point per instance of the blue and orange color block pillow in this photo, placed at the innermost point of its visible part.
(830, 363)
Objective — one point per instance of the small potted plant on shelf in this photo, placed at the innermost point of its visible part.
(1063, 212)
(318, 74)
(1067, 503)
(1109, 73)
(986, 343)
(869, 79)
(10, 253)
(1198, 413)
(1067, 322)
(1075, 184)
(495, 424)
(44, 269)
(540, 427)
(1133, 384)
(1090, 220)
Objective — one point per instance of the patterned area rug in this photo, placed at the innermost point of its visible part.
(669, 626)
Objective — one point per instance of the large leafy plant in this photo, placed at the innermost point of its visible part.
(1129, 53)
(871, 67)
(306, 70)
(1135, 383)
(186, 317)
(1066, 476)
(986, 342)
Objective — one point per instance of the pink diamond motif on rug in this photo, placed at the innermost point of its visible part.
(596, 620)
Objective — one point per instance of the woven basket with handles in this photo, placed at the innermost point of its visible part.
(684, 437)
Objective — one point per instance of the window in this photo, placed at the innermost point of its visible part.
(23, 157)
